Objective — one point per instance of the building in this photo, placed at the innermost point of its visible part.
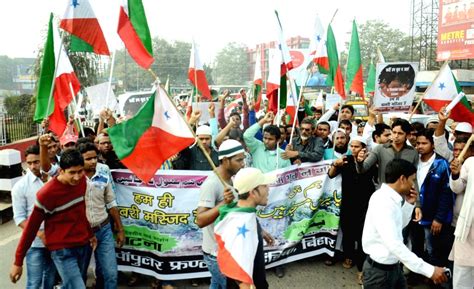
(296, 42)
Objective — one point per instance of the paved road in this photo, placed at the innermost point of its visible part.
(309, 273)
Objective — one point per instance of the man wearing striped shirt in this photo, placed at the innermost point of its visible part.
(69, 237)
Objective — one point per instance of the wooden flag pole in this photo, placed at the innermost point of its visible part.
(466, 147)
(198, 141)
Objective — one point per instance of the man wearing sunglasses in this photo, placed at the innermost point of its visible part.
(305, 147)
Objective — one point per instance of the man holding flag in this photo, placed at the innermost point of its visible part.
(238, 233)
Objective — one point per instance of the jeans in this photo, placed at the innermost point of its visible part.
(218, 280)
(40, 269)
(72, 264)
(106, 261)
(439, 246)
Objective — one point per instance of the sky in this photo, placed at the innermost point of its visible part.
(211, 23)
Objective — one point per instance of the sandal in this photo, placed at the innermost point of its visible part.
(347, 264)
(360, 278)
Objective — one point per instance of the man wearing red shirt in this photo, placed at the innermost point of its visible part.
(69, 237)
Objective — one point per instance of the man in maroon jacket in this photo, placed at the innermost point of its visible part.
(69, 237)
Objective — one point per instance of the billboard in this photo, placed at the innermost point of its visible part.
(455, 30)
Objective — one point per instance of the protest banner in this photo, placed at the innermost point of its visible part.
(331, 100)
(96, 96)
(162, 239)
(395, 87)
(203, 107)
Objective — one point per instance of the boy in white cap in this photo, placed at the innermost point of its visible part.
(252, 188)
(214, 195)
(462, 129)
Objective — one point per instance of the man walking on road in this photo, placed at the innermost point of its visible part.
(390, 210)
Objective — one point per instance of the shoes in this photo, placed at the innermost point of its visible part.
(133, 280)
(280, 271)
(155, 284)
(360, 278)
(347, 264)
(329, 262)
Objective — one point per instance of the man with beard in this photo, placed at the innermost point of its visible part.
(306, 147)
(341, 141)
(213, 196)
(356, 192)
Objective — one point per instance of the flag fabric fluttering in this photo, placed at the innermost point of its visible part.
(317, 37)
(354, 75)
(274, 78)
(157, 132)
(334, 77)
(237, 241)
(443, 91)
(370, 83)
(80, 21)
(134, 32)
(64, 83)
(320, 57)
(380, 57)
(196, 74)
(257, 82)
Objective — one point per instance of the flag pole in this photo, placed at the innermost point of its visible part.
(427, 89)
(55, 70)
(198, 141)
(466, 147)
(109, 87)
(75, 113)
(297, 108)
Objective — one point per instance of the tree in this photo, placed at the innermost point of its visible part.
(16, 104)
(171, 58)
(394, 44)
(6, 72)
(232, 65)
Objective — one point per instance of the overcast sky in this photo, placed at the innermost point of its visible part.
(212, 23)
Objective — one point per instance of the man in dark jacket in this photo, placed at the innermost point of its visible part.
(437, 200)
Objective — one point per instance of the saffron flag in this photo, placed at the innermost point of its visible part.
(443, 90)
(257, 81)
(354, 76)
(134, 32)
(157, 132)
(64, 83)
(335, 75)
(80, 21)
(237, 240)
(196, 74)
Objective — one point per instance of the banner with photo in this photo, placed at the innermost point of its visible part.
(455, 30)
(162, 239)
(395, 86)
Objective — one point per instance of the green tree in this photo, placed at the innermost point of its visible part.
(18, 103)
(232, 65)
(394, 44)
(171, 58)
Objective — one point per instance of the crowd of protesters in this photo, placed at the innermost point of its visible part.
(404, 197)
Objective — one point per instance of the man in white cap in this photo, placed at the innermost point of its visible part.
(252, 188)
(462, 129)
(356, 192)
(193, 158)
(214, 195)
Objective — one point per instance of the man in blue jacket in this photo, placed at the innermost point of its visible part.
(436, 200)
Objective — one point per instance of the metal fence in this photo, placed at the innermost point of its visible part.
(17, 127)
